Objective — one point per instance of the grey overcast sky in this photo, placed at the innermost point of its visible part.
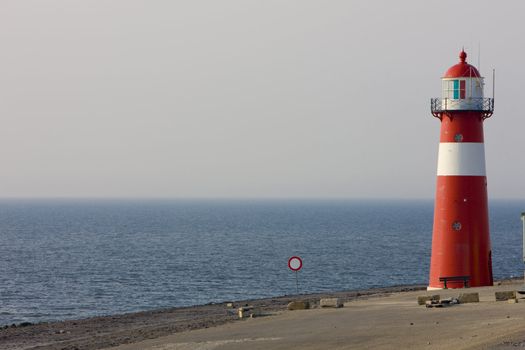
(127, 98)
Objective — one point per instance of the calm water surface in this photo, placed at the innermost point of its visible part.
(64, 259)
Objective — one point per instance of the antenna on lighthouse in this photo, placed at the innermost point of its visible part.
(479, 56)
(493, 83)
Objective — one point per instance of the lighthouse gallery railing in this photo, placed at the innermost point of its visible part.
(439, 106)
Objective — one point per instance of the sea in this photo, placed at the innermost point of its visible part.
(70, 258)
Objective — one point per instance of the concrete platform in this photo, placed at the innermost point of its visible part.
(391, 322)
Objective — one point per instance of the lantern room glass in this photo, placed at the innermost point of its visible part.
(454, 89)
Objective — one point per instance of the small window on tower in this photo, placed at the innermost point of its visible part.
(455, 89)
(450, 89)
(462, 89)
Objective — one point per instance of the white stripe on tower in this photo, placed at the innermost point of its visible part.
(461, 159)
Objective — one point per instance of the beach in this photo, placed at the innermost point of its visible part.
(382, 318)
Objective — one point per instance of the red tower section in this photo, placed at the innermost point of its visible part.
(461, 250)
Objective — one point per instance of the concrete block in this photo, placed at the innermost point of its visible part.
(433, 303)
(468, 298)
(298, 305)
(502, 296)
(244, 311)
(249, 311)
(330, 302)
(422, 299)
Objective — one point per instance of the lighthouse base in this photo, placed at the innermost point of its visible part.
(461, 250)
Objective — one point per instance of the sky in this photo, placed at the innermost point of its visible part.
(247, 99)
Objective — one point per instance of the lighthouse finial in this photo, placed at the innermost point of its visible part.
(463, 55)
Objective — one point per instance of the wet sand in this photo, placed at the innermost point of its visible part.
(383, 318)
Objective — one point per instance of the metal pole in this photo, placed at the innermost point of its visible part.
(479, 56)
(493, 84)
(297, 282)
(523, 222)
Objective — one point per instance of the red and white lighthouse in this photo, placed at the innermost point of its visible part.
(461, 251)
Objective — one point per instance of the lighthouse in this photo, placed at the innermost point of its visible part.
(461, 250)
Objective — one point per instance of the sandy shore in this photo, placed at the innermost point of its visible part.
(383, 318)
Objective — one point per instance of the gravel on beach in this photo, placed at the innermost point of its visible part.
(106, 331)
